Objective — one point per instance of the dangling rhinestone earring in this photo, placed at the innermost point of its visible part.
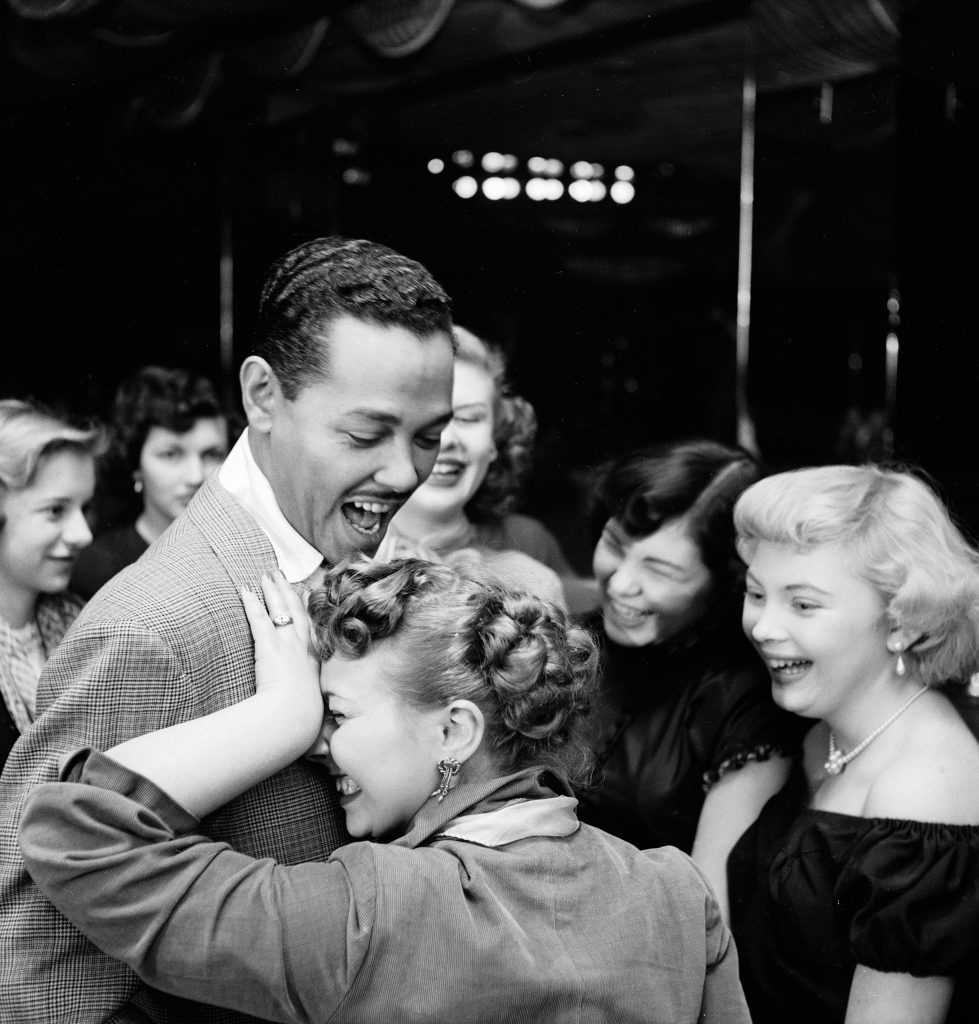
(449, 767)
(900, 668)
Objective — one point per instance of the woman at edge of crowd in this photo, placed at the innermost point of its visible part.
(469, 500)
(688, 741)
(47, 478)
(453, 711)
(169, 433)
(855, 895)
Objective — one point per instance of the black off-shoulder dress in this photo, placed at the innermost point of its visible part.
(814, 893)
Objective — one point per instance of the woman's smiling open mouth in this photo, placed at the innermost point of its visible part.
(346, 786)
(625, 613)
(787, 668)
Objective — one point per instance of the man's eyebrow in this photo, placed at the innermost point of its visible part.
(390, 420)
(375, 414)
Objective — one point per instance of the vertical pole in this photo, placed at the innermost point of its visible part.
(745, 427)
(892, 349)
(226, 265)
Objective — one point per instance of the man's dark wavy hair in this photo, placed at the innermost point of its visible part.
(313, 285)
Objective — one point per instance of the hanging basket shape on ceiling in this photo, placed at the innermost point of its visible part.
(826, 40)
(282, 56)
(398, 28)
(540, 5)
(43, 10)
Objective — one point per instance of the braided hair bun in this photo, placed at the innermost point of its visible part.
(462, 634)
(540, 672)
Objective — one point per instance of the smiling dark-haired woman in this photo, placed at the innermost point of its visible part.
(168, 432)
(688, 741)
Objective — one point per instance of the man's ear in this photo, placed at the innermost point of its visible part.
(260, 393)
(463, 728)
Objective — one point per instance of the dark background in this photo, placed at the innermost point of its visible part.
(144, 142)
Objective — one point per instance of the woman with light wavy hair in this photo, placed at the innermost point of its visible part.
(47, 478)
(469, 502)
(855, 895)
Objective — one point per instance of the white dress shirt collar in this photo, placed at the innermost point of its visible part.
(240, 475)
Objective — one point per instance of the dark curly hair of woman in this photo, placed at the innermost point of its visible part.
(463, 635)
(154, 396)
(514, 433)
(697, 480)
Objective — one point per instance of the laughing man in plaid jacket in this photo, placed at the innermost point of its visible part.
(346, 396)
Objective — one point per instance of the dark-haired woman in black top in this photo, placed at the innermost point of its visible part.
(688, 741)
(169, 433)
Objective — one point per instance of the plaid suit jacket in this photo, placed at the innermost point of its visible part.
(164, 641)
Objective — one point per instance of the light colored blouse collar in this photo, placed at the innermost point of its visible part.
(240, 475)
(519, 819)
(481, 798)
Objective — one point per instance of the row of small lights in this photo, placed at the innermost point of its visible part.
(544, 182)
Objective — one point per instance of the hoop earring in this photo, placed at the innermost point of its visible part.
(449, 767)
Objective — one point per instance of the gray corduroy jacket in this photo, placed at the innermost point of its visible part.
(497, 906)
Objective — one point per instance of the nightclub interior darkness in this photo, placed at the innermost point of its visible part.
(754, 221)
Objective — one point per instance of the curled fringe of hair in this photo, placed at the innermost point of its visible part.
(903, 541)
(465, 636)
(30, 430)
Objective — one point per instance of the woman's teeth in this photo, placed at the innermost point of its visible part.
(789, 667)
(627, 614)
(346, 786)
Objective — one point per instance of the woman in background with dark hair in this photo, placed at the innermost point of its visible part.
(169, 433)
(688, 741)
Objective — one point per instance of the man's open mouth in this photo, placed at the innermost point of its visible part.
(367, 517)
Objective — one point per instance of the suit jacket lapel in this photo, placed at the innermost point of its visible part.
(235, 537)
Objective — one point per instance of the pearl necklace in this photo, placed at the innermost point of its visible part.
(837, 760)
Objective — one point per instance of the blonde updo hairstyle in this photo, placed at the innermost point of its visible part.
(463, 635)
(902, 541)
(514, 432)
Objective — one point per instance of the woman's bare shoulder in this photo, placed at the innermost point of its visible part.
(934, 778)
